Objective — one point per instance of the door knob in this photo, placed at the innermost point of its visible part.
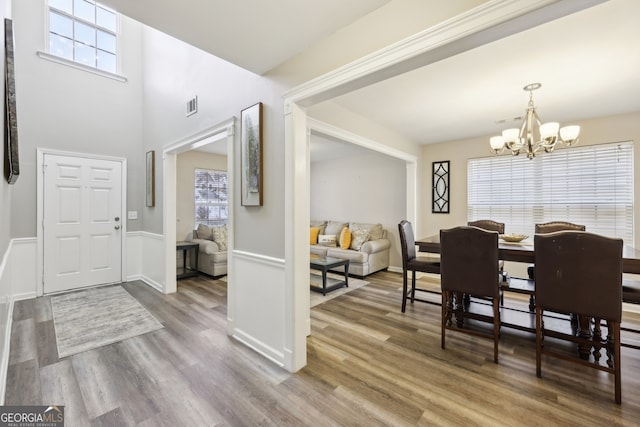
(117, 227)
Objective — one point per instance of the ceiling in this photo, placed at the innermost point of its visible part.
(588, 62)
(257, 35)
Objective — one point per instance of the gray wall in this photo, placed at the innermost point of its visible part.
(174, 73)
(63, 108)
(360, 185)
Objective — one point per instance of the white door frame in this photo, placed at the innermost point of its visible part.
(218, 132)
(486, 23)
(40, 153)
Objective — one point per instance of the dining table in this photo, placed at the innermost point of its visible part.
(525, 252)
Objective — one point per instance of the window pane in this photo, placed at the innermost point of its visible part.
(85, 34)
(106, 19)
(61, 46)
(106, 61)
(63, 5)
(61, 25)
(85, 54)
(106, 42)
(85, 10)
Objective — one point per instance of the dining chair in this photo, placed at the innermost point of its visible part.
(490, 225)
(630, 295)
(550, 227)
(412, 262)
(469, 265)
(581, 273)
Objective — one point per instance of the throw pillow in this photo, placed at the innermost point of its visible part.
(375, 230)
(204, 232)
(220, 236)
(320, 224)
(334, 227)
(345, 238)
(358, 237)
(313, 235)
(327, 240)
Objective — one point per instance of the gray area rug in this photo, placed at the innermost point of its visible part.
(318, 298)
(95, 317)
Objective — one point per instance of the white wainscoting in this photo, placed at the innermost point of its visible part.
(6, 313)
(24, 275)
(256, 312)
(145, 252)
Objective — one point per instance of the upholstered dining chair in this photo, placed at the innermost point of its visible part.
(490, 225)
(551, 227)
(630, 295)
(581, 273)
(469, 266)
(411, 262)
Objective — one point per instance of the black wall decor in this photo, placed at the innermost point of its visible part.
(440, 187)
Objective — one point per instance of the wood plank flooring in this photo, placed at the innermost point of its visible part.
(368, 365)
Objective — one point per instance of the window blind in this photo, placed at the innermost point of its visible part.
(211, 197)
(590, 185)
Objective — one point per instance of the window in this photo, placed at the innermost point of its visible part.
(588, 185)
(211, 197)
(83, 31)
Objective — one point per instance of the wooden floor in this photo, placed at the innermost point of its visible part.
(368, 365)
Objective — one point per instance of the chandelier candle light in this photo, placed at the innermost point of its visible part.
(533, 135)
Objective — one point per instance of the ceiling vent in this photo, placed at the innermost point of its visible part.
(192, 106)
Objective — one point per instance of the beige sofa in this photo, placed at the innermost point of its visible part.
(212, 255)
(367, 252)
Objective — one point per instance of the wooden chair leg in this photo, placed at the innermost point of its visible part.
(538, 342)
(496, 328)
(404, 291)
(413, 285)
(616, 356)
(444, 308)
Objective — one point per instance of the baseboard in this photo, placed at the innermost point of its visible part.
(4, 368)
(24, 296)
(260, 347)
(147, 281)
(395, 269)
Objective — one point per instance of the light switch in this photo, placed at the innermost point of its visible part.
(132, 215)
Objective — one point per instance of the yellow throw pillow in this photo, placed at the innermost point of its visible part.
(313, 236)
(345, 238)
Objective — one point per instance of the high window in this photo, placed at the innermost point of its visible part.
(85, 32)
(211, 197)
(590, 185)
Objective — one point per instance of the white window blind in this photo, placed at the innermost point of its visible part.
(211, 197)
(590, 185)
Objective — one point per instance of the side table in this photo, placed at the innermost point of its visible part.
(185, 271)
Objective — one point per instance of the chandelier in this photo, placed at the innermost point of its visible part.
(533, 135)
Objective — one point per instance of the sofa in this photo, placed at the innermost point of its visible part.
(212, 252)
(365, 245)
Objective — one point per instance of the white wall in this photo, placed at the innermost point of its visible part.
(65, 108)
(361, 186)
(187, 163)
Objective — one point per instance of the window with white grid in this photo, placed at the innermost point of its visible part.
(211, 197)
(590, 185)
(83, 31)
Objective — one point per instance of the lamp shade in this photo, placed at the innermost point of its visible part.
(511, 135)
(549, 130)
(570, 133)
(496, 142)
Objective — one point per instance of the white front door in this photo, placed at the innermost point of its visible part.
(82, 222)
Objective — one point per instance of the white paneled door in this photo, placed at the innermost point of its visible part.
(82, 224)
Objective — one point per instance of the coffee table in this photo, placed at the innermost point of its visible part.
(324, 264)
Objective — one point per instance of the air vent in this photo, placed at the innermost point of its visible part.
(192, 106)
